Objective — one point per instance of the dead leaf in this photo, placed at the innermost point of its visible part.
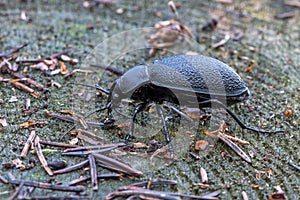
(63, 68)
(201, 145)
(18, 163)
(30, 123)
(74, 141)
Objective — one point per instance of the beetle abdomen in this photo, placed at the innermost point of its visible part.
(198, 74)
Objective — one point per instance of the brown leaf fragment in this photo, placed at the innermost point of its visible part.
(36, 94)
(202, 185)
(288, 113)
(250, 66)
(270, 172)
(235, 148)
(23, 87)
(14, 50)
(201, 145)
(203, 175)
(235, 139)
(40, 155)
(124, 125)
(63, 68)
(139, 145)
(18, 163)
(30, 123)
(52, 63)
(28, 143)
(168, 32)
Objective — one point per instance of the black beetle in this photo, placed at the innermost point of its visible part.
(177, 79)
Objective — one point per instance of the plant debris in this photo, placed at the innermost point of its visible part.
(168, 32)
(131, 191)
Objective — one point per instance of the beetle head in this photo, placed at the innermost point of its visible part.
(239, 98)
(125, 86)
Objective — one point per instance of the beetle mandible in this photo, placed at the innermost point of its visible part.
(209, 80)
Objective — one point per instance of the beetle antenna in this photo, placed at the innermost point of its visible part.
(86, 85)
(98, 87)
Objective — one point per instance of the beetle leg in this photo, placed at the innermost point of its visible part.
(137, 109)
(179, 112)
(98, 87)
(167, 136)
(237, 119)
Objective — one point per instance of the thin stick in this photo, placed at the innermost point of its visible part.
(28, 144)
(294, 165)
(69, 197)
(3, 179)
(133, 190)
(70, 119)
(58, 144)
(203, 174)
(100, 176)
(29, 81)
(61, 117)
(117, 164)
(89, 137)
(156, 182)
(80, 148)
(235, 139)
(78, 70)
(140, 191)
(14, 50)
(37, 60)
(64, 52)
(47, 186)
(93, 170)
(111, 168)
(87, 152)
(71, 168)
(23, 87)
(17, 192)
(41, 156)
(235, 148)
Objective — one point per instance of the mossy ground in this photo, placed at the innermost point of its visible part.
(274, 45)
